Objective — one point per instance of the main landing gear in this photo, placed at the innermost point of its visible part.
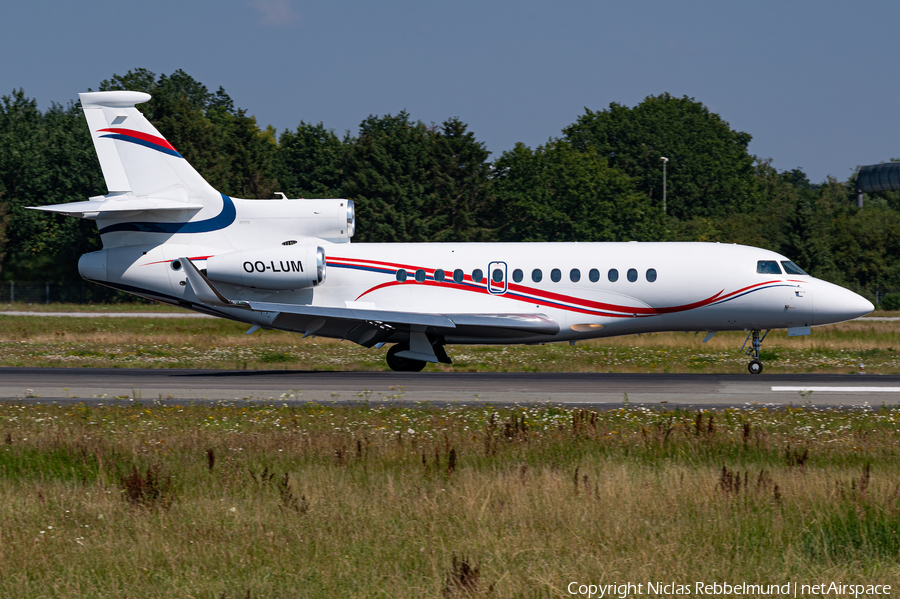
(412, 356)
(401, 364)
(755, 366)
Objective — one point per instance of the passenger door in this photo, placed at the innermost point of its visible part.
(497, 283)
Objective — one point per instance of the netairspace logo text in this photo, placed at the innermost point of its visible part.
(720, 589)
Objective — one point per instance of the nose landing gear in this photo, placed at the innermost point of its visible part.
(755, 366)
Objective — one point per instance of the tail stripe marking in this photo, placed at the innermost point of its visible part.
(141, 139)
(219, 221)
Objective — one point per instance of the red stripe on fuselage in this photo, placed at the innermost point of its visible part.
(582, 305)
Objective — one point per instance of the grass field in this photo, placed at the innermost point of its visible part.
(216, 343)
(122, 307)
(323, 501)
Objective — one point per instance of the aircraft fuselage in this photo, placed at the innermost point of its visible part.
(585, 287)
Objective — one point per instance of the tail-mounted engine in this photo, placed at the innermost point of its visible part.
(297, 266)
(333, 220)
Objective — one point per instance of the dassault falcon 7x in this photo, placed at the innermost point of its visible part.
(288, 264)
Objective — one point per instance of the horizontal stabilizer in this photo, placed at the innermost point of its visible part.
(102, 205)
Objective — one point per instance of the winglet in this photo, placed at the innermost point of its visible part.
(203, 289)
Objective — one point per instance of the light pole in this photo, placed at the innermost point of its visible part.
(664, 161)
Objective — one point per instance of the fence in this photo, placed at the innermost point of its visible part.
(69, 292)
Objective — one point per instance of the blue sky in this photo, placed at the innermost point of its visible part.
(814, 83)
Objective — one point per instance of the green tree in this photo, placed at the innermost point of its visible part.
(417, 183)
(311, 161)
(710, 172)
(806, 228)
(44, 159)
(557, 193)
(461, 180)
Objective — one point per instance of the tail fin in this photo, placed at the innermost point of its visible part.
(137, 160)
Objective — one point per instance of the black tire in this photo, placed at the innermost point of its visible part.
(401, 364)
(755, 367)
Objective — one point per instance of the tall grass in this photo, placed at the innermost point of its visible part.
(368, 501)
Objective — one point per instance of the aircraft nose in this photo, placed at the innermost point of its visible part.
(835, 304)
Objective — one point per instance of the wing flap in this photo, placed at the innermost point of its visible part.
(382, 316)
(525, 323)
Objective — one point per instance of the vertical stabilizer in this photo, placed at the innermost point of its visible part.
(135, 158)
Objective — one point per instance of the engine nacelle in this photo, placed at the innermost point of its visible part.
(334, 220)
(281, 268)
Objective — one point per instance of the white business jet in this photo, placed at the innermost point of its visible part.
(288, 264)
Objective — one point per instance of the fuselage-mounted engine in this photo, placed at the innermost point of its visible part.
(296, 266)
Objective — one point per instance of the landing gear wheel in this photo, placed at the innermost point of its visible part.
(755, 366)
(401, 364)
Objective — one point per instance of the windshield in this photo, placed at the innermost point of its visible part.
(791, 268)
(768, 267)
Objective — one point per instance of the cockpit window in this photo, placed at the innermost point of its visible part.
(768, 267)
(791, 268)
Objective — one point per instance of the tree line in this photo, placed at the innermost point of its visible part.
(599, 180)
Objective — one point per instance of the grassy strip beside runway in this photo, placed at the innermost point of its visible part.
(215, 343)
(101, 308)
(324, 501)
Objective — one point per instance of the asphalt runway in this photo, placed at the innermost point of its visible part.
(111, 385)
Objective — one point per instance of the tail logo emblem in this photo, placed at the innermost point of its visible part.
(142, 139)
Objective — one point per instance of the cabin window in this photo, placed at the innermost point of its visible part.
(420, 275)
(555, 275)
(497, 275)
(791, 268)
(574, 275)
(767, 267)
(458, 275)
(439, 275)
(651, 274)
(594, 275)
(401, 275)
(613, 275)
(537, 275)
(632, 275)
(518, 275)
(477, 275)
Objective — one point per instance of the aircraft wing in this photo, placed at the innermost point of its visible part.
(369, 327)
